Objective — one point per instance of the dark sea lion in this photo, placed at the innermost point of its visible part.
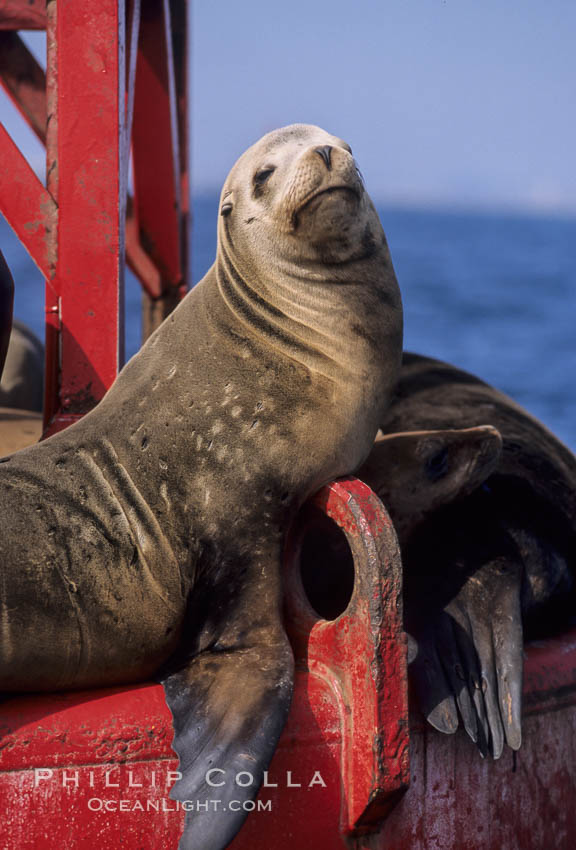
(486, 518)
(150, 534)
(22, 381)
(6, 305)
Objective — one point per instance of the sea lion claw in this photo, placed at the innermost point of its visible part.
(508, 644)
(444, 717)
(429, 681)
(222, 729)
(453, 665)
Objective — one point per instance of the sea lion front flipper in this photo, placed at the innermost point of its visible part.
(490, 612)
(464, 579)
(472, 652)
(229, 705)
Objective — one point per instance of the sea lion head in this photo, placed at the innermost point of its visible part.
(416, 473)
(297, 196)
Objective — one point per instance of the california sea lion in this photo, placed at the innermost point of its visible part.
(487, 524)
(22, 381)
(157, 522)
(6, 304)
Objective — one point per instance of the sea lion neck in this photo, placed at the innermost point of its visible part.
(312, 313)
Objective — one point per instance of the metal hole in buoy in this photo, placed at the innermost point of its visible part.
(326, 567)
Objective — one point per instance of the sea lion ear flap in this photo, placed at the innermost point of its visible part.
(415, 472)
(227, 204)
(229, 706)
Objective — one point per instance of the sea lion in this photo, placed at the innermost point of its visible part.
(149, 535)
(486, 518)
(6, 305)
(22, 381)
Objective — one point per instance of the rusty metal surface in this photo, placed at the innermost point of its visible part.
(364, 653)
(456, 800)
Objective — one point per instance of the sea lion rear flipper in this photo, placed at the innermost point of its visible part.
(229, 706)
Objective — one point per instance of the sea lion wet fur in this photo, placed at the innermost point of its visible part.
(484, 500)
(156, 524)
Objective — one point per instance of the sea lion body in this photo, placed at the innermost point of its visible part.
(22, 381)
(157, 522)
(6, 306)
(485, 506)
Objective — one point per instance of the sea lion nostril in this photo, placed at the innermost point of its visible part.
(325, 151)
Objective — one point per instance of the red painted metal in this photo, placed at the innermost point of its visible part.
(155, 149)
(362, 654)
(75, 228)
(87, 139)
(26, 205)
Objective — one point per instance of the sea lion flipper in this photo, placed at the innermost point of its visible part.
(478, 640)
(492, 600)
(229, 707)
(450, 652)
(429, 679)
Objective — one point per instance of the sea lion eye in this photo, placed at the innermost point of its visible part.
(437, 465)
(262, 176)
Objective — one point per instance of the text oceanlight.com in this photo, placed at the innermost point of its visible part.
(98, 804)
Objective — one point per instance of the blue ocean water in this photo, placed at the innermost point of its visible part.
(493, 294)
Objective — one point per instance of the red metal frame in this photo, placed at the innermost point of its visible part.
(98, 80)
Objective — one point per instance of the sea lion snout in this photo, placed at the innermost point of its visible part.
(325, 151)
(321, 170)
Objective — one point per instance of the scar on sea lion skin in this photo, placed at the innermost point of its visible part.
(147, 539)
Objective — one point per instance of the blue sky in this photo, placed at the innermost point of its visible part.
(457, 101)
(466, 103)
